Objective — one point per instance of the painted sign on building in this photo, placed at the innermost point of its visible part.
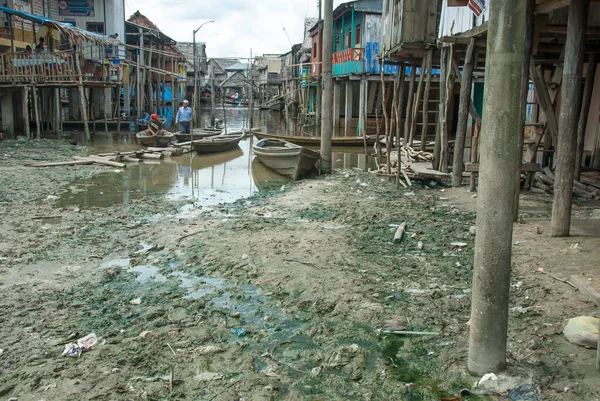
(76, 8)
(24, 6)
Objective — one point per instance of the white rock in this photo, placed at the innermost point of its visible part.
(485, 378)
(472, 230)
(136, 301)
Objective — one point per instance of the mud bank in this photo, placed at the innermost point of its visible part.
(274, 297)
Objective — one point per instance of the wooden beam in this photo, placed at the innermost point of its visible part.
(550, 6)
(584, 113)
(585, 288)
(525, 167)
(544, 99)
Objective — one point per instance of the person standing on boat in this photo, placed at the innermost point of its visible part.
(184, 118)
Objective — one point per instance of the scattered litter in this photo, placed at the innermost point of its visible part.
(472, 230)
(459, 244)
(146, 335)
(74, 350)
(208, 376)
(1, 351)
(474, 196)
(541, 270)
(485, 378)
(409, 194)
(458, 264)
(583, 331)
(444, 199)
(518, 243)
(236, 315)
(208, 350)
(51, 198)
(364, 184)
(238, 332)
(575, 246)
(244, 256)
(136, 301)
(420, 245)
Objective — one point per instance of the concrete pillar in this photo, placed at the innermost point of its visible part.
(337, 105)
(493, 243)
(8, 115)
(326, 123)
(348, 131)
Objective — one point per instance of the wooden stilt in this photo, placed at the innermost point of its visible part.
(449, 94)
(569, 112)
(399, 88)
(528, 44)
(425, 120)
(57, 113)
(585, 111)
(106, 106)
(409, 102)
(437, 150)
(82, 106)
(466, 81)
(36, 110)
(415, 111)
(26, 112)
(388, 144)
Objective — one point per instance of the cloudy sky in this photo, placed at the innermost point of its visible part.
(240, 25)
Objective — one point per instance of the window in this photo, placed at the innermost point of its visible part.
(358, 35)
(97, 27)
(314, 51)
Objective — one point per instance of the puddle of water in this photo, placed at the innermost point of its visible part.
(147, 272)
(204, 180)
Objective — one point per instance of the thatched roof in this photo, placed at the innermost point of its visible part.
(73, 33)
(140, 19)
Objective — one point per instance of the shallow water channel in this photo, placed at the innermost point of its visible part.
(204, 180)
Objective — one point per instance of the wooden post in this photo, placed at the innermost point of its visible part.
(362, 110)
(585, 111)
(449, 94)
(466, 82)
(26, 112)
(528, 44)
(337, 94)
(493, 243)
(139, 102)
(566, 148)
(425, 120)
(57, 113)
(82, 106)
(409, 102)
(105, 110)
(399, 87)
(437, 150)
(415, 111)
(326, 123)
(388, 144)
(348, 109)
(213, 94)
(150, 86)
(36, 112)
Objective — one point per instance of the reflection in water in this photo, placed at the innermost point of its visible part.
(206, 180)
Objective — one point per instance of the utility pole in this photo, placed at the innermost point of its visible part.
(566, 149)
(195, 99)
(493, 243)
(251, 95)
(212, 95)
(326, 118)
(318, 67)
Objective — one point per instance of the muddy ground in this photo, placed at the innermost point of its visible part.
(308, 272)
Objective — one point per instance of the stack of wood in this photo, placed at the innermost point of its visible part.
(544, 182)
(116, 159)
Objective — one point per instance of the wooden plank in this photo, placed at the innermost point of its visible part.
(550, 6)
(428, 71)
(415, 111)
(586, 288)
(544, 99)
(528, 167)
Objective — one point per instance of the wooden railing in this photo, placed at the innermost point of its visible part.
(353, 54)
(42, 67)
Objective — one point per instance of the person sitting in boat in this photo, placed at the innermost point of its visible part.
(144, 119)
(155, 126)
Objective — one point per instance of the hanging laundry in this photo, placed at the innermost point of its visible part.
(477, 6)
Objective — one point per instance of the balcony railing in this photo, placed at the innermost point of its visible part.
(349, 61)
(59, 67)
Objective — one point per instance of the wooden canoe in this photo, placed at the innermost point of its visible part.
(156, 141)
(219, 143)
(286, 158)
(199, 133)
(314, 141)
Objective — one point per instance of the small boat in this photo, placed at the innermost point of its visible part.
(315, 141)
(286, 158)
(219, 143)
(157, 141)
(199, 133)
